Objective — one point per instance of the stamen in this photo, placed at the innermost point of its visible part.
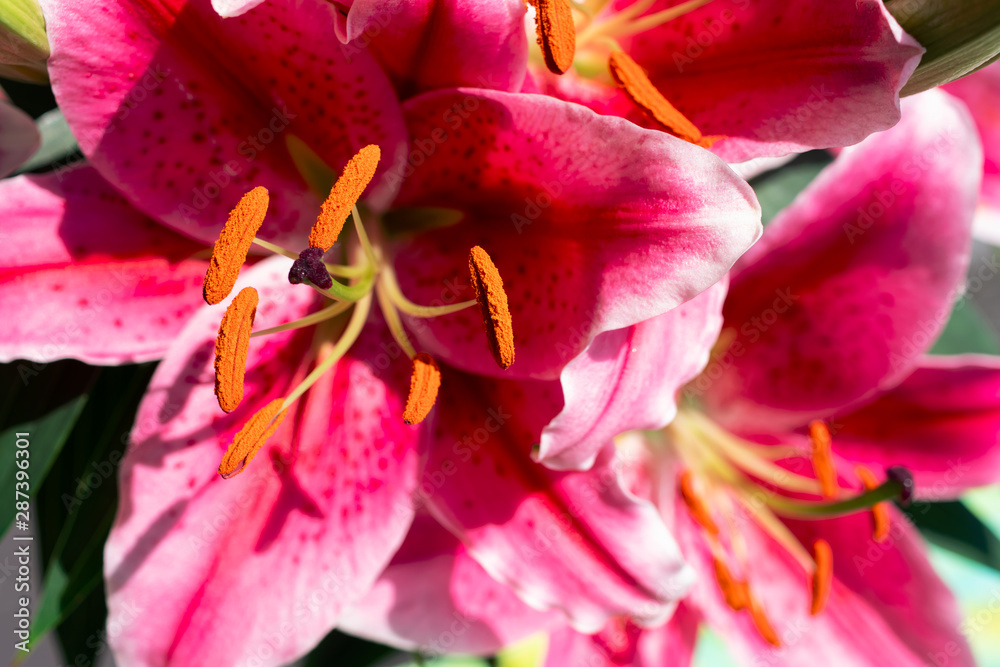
(822, 458)
(695, 504)
(763, 625)
(735, 592)
(556, 33)
(424, 384)
(324, 314)
(230, 251)
(631, 77)
(343, 196)
(880, 511)
(493, 306)
(822, 578)
(310, 267)
(251, 437)
(231, 348)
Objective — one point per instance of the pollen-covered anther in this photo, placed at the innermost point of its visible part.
(633, 79)
(822, 576)
(492, 306)
(695, 504)
(425, 380)
(880, 511)
(231, 348)
(556, 33)
(343, 196)
(234, 242)
(310, 267)
(251, 438)
(763, 625)
(822, 458)
(735, 592)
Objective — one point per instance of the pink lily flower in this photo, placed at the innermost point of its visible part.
(336, 500)
(309, 527)
(828, 318)
(749, 78)
(981, 93)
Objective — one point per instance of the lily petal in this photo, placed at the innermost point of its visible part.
(778, 77)
(981, 93)
(855, 279)
(623, 644)
(593, 223)
(629, 378)
(231, 8)
(852, 629)
(577, 542)
(896, 580)
(257, 568)
(941, 423)
(184, 111)
(429, 44)
(433, 597)
(85, 275)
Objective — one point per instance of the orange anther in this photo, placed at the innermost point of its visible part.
(492, 306)
(822, 577)
(763, 625)
(556, 33)
(633, 79)
(251, 438)
(231, 348)
(343, 196)
(822, 458)
(695, 504)
(735, 592)
(880, 511)
(425, 380)
(234, 242)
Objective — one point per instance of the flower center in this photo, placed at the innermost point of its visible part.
(727, 479)
(584, 34)
(369, 275)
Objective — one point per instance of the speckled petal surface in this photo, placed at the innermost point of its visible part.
(257, 568)
(593, 223)
(85, 275)
(184, 111)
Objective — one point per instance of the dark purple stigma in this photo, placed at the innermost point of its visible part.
(904, 478)
(310, 267)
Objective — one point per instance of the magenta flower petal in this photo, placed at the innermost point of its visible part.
(256, 568)
(435, 598)
(19, 137)
(577, 541)
(428, 44)
(87, 276)
(593, 223)
(896, 580)
(941, 423)
(981, 93)
(854, 280)
(184, 111)
(778, 77)
(623, 644)
(852, 629)
(629, 378)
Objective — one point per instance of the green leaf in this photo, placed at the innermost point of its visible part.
(340, 649)
(58, 142)
(967, 331)
(776, 190)
(952, 526)
(76, 508)
(46, 437)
